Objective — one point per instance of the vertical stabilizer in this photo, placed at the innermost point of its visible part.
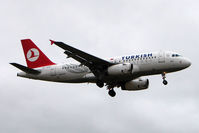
(34, 56)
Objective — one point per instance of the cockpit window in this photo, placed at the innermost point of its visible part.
(176, 55)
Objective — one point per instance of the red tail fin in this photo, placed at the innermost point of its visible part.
(34, 56)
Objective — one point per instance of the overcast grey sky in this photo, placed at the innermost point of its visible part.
(105, 28)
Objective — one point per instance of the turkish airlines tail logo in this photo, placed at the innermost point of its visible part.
(32, 54)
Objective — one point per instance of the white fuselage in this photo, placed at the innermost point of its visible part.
(144, 64)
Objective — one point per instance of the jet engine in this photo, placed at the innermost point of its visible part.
(120, 69)
(137, 84)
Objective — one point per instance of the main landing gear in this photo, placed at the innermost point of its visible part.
(164, 78)
(100, 84)
(111, 91)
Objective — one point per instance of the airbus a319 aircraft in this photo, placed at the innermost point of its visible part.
(124, 71)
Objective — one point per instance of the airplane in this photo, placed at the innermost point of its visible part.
(126, 71)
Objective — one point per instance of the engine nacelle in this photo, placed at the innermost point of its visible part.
(137, 84)
(120, 69)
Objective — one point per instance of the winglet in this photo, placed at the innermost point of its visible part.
(52, 42)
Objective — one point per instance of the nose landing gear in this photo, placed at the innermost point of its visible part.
(165, 82)
(164, 78)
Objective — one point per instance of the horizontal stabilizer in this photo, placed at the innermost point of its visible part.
(25, 69)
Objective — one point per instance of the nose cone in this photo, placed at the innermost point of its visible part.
(186, 63)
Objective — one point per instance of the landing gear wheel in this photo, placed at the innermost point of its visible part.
(100, 84)
(164, 78)
(165, 82)
(111, 93)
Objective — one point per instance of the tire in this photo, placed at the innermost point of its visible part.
(165, 82)
(112, 93)
(100, 84)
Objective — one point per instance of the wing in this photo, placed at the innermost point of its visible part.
(95, 64)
